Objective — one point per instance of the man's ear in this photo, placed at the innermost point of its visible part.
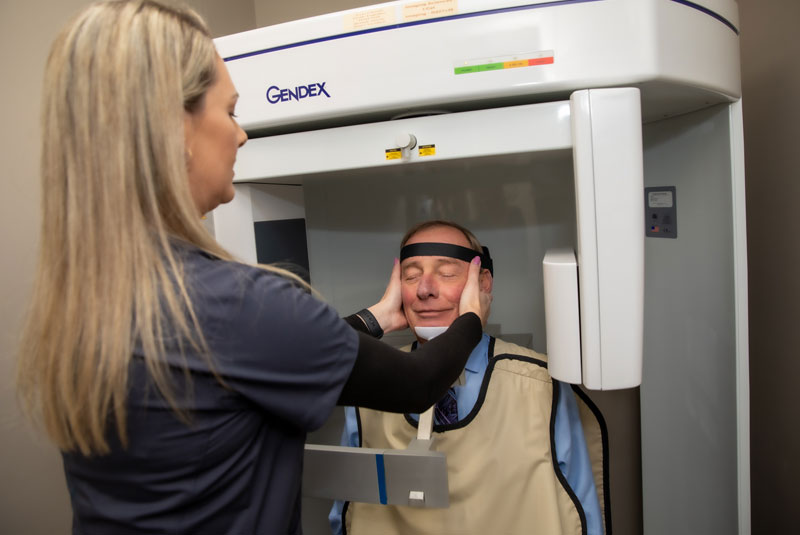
(486, 281)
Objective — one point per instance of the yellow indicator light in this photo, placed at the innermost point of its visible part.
(515, 64)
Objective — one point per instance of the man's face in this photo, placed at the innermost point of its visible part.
(432, 285)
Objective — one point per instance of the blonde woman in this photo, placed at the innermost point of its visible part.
(178, 383)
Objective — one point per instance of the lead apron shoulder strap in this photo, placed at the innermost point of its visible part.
(501, 469)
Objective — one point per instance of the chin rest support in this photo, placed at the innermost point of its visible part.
(415, 476)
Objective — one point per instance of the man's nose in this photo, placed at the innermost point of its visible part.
(427, 287)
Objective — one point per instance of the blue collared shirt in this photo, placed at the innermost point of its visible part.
(571, 451)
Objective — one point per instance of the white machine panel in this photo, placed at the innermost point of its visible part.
(560, 271)
(287, 158)
(607, 135)
(357, 63)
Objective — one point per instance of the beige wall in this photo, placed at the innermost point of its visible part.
(228, 16)
(33, 496)
(771, 105)
(269, 12)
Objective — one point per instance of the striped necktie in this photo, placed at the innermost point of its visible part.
(446, 410)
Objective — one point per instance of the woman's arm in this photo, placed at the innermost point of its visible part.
(388, 379)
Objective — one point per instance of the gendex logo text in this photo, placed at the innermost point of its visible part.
(275, 94)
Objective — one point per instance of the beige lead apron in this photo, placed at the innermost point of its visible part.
(501, 470)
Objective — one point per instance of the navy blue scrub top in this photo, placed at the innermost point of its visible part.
(236, 467)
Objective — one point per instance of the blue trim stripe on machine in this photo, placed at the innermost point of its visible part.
(408, 24)
(554, 3)
(381, 477)
(710, 13)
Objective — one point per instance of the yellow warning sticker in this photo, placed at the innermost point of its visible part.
(394, 154)
(370, 18)
(427, 150)
(429, 9)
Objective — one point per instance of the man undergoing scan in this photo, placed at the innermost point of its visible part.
(524, 452)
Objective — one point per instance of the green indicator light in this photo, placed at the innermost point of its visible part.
(465, 70)
(479, 68)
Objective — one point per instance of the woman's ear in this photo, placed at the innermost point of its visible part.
(188, 134)
(486, 281)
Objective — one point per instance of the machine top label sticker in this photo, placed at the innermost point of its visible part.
(429, 9)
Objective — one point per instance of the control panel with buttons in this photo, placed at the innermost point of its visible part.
(660, 209)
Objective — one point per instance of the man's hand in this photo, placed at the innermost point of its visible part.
(473, 299)
(389, 310)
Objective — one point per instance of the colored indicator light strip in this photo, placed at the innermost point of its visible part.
(504, 65)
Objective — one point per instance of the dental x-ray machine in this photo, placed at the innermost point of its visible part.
(594, 145)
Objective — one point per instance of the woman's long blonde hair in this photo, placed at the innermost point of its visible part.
(118, 81)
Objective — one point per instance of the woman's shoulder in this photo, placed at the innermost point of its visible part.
(213, 273)
(225, 289)
(228, 294)
(244, 308)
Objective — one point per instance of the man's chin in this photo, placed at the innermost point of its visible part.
(433, 322)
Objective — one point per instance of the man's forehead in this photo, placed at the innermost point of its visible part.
(439, 234)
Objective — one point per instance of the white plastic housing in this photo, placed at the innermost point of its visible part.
(607, 155)
(344, 65)
(562, 316)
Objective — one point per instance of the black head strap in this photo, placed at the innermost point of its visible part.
(447, 249)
